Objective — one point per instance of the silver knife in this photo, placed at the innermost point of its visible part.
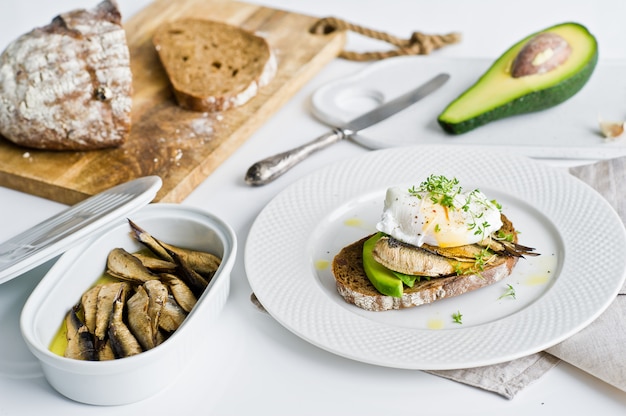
(268, 169)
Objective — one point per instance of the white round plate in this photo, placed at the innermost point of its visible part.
(579, 272)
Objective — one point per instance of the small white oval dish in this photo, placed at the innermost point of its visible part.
(134, 378)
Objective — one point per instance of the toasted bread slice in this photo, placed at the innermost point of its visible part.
(213, 66)
(355, 287)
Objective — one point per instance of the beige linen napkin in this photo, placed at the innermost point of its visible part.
(599, 349)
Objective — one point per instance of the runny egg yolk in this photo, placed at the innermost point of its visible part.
(414, 218)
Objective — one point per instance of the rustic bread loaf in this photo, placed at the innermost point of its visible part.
(213, 66)
(354, 286)
(68, 85)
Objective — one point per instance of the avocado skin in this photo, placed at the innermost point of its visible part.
(531, 102)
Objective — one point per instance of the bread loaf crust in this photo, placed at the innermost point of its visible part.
(68, 85)
(213, 66)
(354, 286)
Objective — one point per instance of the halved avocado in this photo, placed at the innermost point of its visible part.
(498, 94)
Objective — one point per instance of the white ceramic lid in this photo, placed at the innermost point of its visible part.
(57, 234)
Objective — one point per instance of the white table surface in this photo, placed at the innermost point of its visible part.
(257, 366)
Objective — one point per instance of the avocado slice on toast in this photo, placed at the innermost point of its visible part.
(383, 279)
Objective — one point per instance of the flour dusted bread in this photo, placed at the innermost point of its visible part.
(68, 85)
(213, 66)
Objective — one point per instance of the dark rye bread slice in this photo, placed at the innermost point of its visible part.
(354, 286)
(213, 66)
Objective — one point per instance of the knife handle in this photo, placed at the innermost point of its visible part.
(266, 170)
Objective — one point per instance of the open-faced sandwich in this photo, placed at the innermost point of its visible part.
(434, 241)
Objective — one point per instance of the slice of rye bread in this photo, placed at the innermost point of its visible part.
(213, 66)
(355, 287)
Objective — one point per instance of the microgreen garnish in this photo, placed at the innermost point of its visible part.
(510, 292)
(501, 235)
(440, 190)
(481, 259)
(457, 318)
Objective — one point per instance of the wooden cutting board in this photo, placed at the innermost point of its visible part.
(182, 147)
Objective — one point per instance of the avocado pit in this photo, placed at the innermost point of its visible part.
(541, 54)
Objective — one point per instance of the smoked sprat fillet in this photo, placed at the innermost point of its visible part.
(68, 85)
(213, 66)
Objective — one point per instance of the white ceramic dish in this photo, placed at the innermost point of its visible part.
(557, 293)
(569, 130)
(134, 378)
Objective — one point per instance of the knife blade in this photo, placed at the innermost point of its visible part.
(268, 169)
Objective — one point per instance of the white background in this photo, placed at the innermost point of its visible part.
(256, 366)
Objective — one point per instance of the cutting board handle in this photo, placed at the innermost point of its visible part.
(418, 44)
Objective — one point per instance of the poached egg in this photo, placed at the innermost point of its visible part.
(419, 216)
